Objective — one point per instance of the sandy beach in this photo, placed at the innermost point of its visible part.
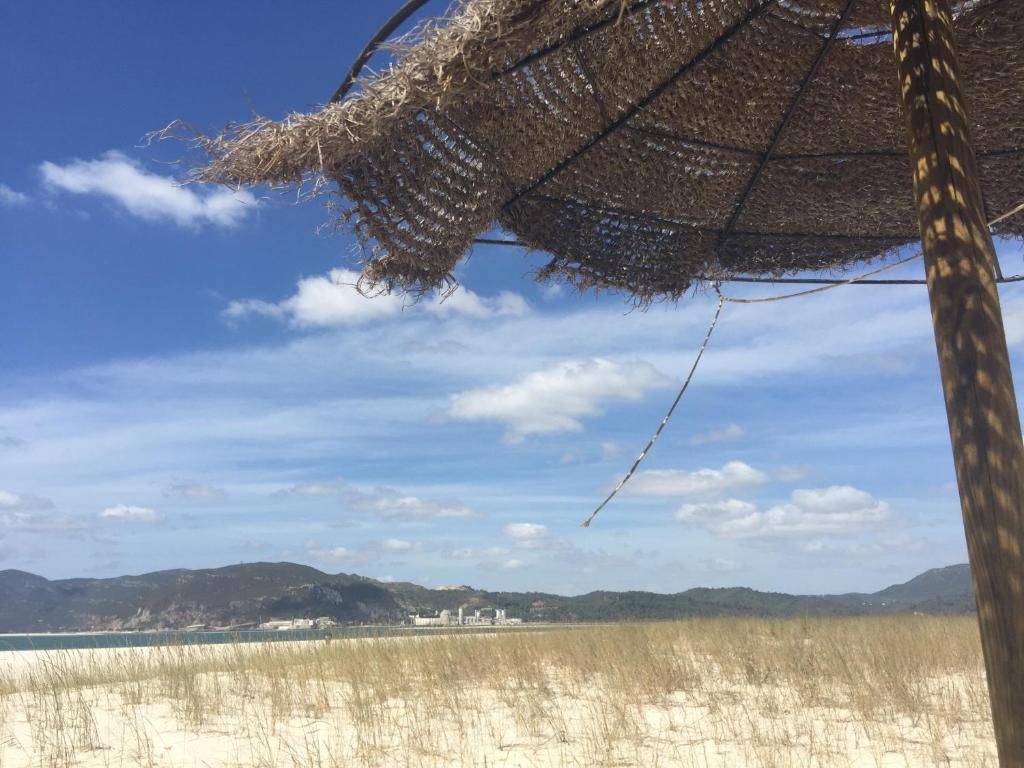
(684, 694)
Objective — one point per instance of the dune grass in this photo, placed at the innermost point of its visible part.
(894, 691)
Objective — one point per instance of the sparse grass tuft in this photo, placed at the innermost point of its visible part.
(906, 690)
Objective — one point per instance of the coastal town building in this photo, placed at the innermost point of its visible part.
(285, 624)
(446, 619)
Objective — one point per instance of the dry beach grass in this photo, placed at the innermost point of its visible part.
(711, 692)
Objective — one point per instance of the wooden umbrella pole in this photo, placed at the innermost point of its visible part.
(984, 425)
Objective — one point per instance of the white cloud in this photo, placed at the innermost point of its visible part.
(328, 554)
(469, 304)
(505, 564)
(610, 451)
(480, 553)
(1013, 319)
(19, 501)
(390, 504)
(816, 511)
(552, 291)
(359, 555)
(398, 545)
(555, 398)
(129, 513)
(724, 435)
(147, 195)
(333, 300)
(336, 488)
(12, 197)
(195, 491)
(386, 503)
(712, 513)
(901, 543)
(35, 521)
(323, 300)
(702, 482)
(242, 413)
(529, 535)
(791, 472)
(719, 565)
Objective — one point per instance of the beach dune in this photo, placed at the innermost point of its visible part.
(898, 691)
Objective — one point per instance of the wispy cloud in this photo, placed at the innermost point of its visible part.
(1013, 319)
(131, 514)
(836, 509)
(480, 553)
(719, 565)
(610, 450)
(360, 554)
(900, 543)
(333, 300)
(195, 491)
(726, 434)
(399, 545)
(328, 554)
(556, 398)
(702, 482)
(38, 521)
(386, 503)
(791, 472)
(527, 535)
(469, 304)
(331, 488)
(147, 195)
(389, 504)
(362, 401)
(20, 501)
(11, 197)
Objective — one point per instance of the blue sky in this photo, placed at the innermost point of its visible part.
(187, 380)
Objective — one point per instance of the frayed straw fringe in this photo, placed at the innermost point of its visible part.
(637, 142)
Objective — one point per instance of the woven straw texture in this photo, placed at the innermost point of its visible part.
(640, 143)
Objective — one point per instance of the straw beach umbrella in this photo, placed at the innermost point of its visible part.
(651, 144)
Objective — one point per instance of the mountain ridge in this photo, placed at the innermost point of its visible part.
(252, 592)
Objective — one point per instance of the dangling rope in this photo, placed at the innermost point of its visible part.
(1007, 215)
(664, 421)
(722, 299)
(768, 299)
(820, 288)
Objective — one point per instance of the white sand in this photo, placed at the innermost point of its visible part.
(128, 724)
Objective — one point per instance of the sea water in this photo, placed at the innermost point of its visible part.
(61, 641)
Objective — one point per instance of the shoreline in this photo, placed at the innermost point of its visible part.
(56, 641)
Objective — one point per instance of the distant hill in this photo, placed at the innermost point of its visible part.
(252, 592)
(940, 590)
(217, 596)
(953, 580)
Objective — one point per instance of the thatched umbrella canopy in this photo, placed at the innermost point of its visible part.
(642, 143)
(646, 143)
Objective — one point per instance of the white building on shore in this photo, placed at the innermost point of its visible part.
(445, 619)
(285, 624)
